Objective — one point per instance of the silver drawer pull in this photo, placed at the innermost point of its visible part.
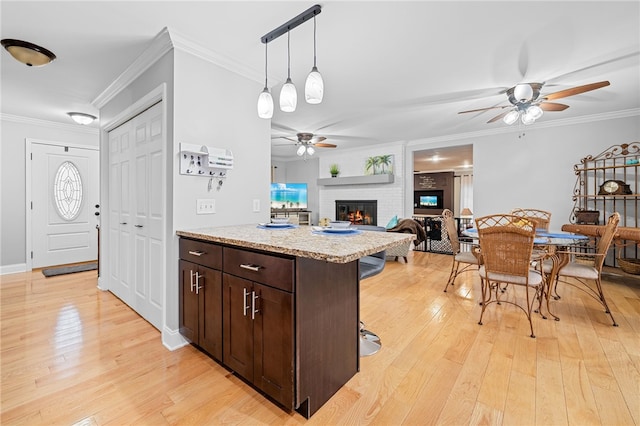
(250, 267)
(197, 253)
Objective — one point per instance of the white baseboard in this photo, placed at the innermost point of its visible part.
(172, 339)
(13, 269)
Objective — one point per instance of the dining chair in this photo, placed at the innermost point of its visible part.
(466, 258)
(506, 245)
(588, 268)
(541, 218)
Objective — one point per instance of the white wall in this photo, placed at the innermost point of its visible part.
(15, 130)
(390, 197)
(536, 171)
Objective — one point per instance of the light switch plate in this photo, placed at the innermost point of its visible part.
(256, 205)
(205, 206)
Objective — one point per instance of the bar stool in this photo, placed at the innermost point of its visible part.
(369, 266)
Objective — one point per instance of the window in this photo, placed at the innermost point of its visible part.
(67, 191)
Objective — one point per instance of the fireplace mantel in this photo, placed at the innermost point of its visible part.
(356, 180)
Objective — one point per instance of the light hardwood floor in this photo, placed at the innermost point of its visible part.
(72, 354)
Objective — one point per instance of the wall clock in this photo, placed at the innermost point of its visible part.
(614, 187)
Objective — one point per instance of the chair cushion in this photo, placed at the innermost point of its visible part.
(535, 278)
(574, 269)
(466, 257)
(371, 265)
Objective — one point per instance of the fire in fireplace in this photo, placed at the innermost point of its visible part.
(358, 212)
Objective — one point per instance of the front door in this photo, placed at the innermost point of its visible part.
(65, 197)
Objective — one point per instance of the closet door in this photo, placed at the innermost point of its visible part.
(137, 212)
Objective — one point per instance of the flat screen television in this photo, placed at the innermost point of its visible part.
(289, 196)
(428, 202)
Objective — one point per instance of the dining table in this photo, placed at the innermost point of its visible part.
(548, 246)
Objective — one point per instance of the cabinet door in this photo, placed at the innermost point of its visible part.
(210, 311)
(188, 302)
(273, 343)
(237, 325)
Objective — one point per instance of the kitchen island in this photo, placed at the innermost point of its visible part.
(279, 307)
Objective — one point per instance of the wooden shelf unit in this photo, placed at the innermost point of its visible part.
(618, 162)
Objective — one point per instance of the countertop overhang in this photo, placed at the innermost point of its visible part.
(301, 241)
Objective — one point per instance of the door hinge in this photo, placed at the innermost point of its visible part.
(32, 155)
(32, 254)
(32, 205)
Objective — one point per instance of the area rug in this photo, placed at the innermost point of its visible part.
(62, 270)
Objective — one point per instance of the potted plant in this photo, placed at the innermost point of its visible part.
(334, 169)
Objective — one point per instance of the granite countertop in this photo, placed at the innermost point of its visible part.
(301, 241)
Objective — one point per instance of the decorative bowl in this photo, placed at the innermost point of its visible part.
(279, 220)
(340, 224)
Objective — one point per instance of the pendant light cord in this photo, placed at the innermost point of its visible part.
(288, 55)
(314, 41)
(266, 57)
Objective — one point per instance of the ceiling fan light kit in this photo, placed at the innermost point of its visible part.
(314, 85)
(29, 54)
(528, 105)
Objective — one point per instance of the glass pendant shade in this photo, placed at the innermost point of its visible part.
(288, 97)
(265, 104)
(301, 150)
(511, 117)
(314, 87)
(523, 92)
(535, 111)
(527, 118)
(310, 150)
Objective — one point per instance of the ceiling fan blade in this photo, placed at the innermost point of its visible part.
(317, 139)
(498, 117)
(325, 145)
(552, 106)
(485, 109)
(575, 90)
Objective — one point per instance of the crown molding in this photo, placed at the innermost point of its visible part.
(76, 128)
(166, 40)
(183, 43)
(539, 125)
(160, 45)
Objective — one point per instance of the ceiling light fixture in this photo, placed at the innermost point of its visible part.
(82, 118)
(28, 53)
(527, 114)
(265, 101)
(314, 86)
(304, 149)
(288, 94)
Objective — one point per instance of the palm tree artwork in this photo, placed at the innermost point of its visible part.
(380, 164)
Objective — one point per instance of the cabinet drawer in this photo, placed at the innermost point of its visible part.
(202, 253)
(263, 268)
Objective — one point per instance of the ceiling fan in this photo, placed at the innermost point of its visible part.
(528, 104)
(306, 143)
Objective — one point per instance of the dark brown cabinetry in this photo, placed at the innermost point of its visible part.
(258, 321)
(287, 325)
(201, 295)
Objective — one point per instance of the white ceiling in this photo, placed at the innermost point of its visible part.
(393, 71)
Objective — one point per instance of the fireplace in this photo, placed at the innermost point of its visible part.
(358, 212)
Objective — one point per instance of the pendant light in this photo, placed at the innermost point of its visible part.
(265, 101)
(314, 86)
(288, 94)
